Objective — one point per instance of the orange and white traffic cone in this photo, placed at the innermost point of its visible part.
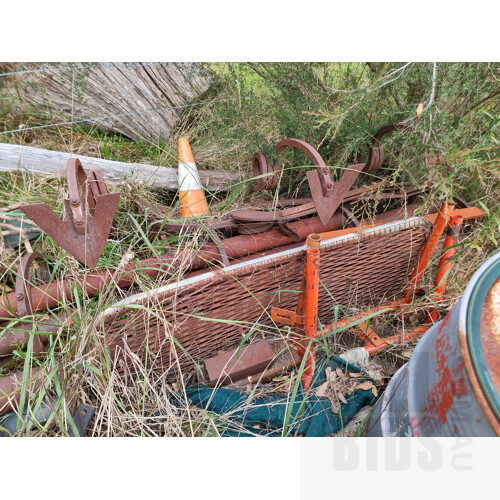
(191, 194)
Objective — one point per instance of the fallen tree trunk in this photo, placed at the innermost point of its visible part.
(138, 100)
(45, 163)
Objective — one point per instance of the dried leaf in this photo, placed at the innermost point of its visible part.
(356, 374)
(207, 181)
(175, 387)
(341, 397)
(322, 390)
(364, 386)
(420, 108)
(340, 373)
(374, 391)
(327, 372)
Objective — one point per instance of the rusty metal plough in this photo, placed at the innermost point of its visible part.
(89, 215)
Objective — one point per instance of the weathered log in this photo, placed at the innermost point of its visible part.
(45, 163)
(130, 90)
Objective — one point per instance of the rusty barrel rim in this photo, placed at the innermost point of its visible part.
(479, 337)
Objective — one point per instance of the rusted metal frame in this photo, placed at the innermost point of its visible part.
(238, 247)
(376, 343)
(466, 213)
(81, 234)
(48, 296)
(445, 262)
(306, 314)
(311, 313)
(442, 218)
(120, 321)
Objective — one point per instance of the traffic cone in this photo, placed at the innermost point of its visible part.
(191, 195)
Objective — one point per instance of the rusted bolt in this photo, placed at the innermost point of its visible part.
(329, 185)
(22, 312)
(20, 296)
(75, 202)
(78, 221)
(325, 170)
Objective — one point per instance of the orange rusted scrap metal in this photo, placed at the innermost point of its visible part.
(446, 216)
(442, 218)
(466, 214)
(445, 262)
(305, 317)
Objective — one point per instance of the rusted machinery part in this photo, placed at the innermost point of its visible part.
(286, 358)
(263, 172)
(77, 178)
(253, 221)
(24, 282)
(82, 235)
(11, 339)
(445, 262)
(438, 228)
(303, 146)
(48, 296)
(238, 247)
(97, 186)
(20, 334)
(190, 227)
(213, 295)
(11, 387)
(376, 154)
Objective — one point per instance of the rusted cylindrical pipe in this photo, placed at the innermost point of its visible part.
(48, 296)
(11, 387)
(20, 334)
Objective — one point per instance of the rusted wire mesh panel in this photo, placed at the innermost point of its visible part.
(214, 310)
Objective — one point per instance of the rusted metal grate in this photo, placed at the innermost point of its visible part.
(214, 310)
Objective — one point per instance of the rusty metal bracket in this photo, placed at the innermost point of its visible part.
(82, 235)
(286, 317)
(288, 231)
(24, 282)
(220, 248)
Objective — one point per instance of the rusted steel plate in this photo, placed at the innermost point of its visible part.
(231, 366)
